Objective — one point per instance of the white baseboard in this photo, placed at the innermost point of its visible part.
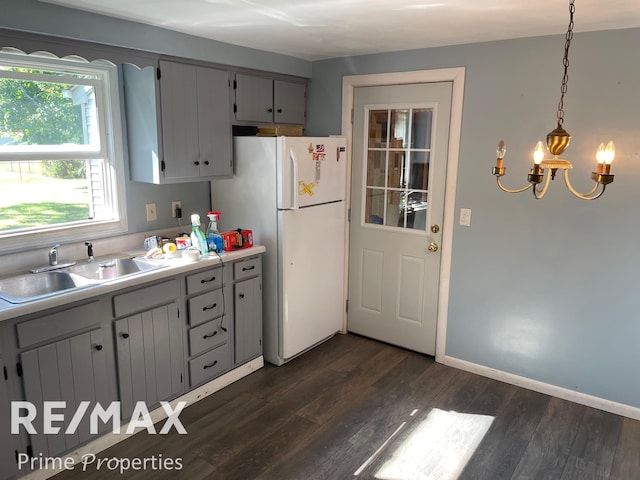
(191, 397)
(546, 388)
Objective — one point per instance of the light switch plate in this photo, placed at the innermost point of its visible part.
(151, 212)
(465, 217)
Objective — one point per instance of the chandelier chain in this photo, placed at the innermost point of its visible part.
(565, 63)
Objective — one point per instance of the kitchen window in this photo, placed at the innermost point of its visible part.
(61, 159)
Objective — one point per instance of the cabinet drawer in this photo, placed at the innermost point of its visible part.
(210, 365)
(208, 335)
(205, 307)
(247, 268)
(199, 282)
(57, 324)
(144, 298)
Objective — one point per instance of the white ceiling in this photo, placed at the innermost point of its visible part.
(321, 29)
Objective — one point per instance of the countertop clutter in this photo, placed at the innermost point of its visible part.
(171, 267)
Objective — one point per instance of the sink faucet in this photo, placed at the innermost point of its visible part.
(53, 255)
(89, 251)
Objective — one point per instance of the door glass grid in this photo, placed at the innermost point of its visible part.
(397, 163)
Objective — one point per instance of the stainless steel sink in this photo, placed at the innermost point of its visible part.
(33, 286)
(27, 287)
(114, 267)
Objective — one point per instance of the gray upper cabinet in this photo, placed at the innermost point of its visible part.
(267, 100)
(178, 122)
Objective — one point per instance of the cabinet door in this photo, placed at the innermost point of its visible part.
(289, 102)
(150, 353)
(178, 84)
(142, 110)
(248, 319)
(254, 99)
(71, 370)
(214, 122)
(8, 465)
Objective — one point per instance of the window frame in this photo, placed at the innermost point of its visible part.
(108, 105)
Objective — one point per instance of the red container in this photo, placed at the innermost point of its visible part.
(236, 239)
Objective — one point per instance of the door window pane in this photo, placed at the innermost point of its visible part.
(376, 168)
(378, 128)
(375, 206)
(397, 176)
(422, 122)
(419, 170)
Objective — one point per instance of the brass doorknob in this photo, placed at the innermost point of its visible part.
(435, 228)
(433, 247)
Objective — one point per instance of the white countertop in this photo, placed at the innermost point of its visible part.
(172, 267)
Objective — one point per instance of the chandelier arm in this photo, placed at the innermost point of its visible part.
(539, 193)
(508, 190)
(583, 196)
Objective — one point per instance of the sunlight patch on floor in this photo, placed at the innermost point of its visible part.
(438, 448)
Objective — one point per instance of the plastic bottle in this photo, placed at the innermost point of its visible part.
(197, 237)
(214, 239)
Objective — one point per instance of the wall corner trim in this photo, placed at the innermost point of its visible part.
(546, 388)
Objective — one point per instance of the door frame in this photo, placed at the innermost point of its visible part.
(455, 75)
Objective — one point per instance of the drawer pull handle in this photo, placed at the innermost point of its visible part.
(209, 307)
(125, 335)
(207, 280)
(215, 362)
(206, 162)
(241, 295)
(98, 347)
(204, 337)
(196, 163)
(246, 269)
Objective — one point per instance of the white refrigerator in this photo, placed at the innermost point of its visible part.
(291, 192)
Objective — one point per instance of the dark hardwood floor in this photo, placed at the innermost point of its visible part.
(354, 408)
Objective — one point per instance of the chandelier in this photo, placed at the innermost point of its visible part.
(544, 170)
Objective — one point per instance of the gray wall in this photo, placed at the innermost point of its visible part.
(92, 36)
(545, 289)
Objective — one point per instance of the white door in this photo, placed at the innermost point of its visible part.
(400, 143)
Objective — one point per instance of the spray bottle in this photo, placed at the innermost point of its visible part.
(197, 237)
(214, 239)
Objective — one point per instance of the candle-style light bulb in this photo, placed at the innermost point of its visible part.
(502, 149)
(610, 153)
(600, 155)
(538, 153)
(500, 152)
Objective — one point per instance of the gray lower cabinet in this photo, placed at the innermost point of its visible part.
(8, 466)
(262, 99)
(133, 346)
(247, 309)
(210, 324)
(149, 346)
(66, 356)
(71, 370)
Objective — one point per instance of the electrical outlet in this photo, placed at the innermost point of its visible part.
(175, 204)
(151, 212)
(465, 217)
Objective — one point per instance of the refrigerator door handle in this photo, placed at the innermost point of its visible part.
(294, 186)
